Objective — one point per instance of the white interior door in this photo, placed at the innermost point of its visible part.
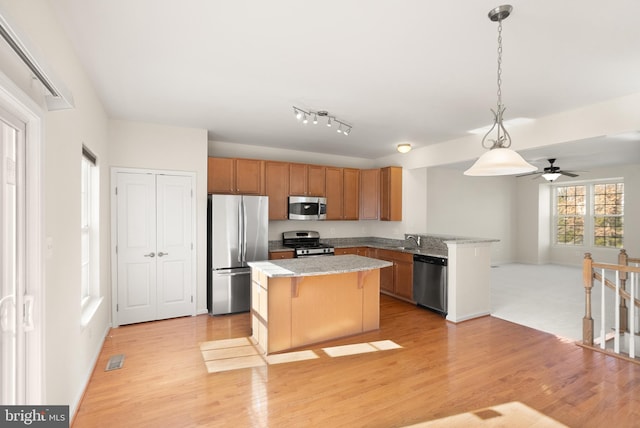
(154, 247)
(174, 245)
(12, 289)
(136, 247)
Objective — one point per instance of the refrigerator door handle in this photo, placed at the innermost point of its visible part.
(240, 249)
(244, 232)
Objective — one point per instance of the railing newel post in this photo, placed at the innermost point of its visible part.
(587, 321)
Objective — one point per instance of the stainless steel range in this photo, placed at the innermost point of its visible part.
(306, 243)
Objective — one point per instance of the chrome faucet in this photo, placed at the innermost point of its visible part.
(415, 238)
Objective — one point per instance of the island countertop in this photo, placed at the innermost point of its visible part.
(313, 266)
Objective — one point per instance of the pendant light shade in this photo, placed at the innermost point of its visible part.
(499, 161)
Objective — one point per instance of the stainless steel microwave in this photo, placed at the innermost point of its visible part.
(307, 208)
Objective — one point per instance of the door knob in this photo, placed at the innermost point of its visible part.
(151, 254)
(160, 254)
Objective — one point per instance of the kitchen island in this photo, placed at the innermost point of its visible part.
(298, 302)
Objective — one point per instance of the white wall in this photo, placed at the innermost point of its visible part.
(152, 146)
(534, 214)
(69, 350)
(481, 207)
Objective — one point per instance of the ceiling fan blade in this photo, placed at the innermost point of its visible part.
(568, 174)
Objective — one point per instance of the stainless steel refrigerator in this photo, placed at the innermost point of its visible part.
(237, 234)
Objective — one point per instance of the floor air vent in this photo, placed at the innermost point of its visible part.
(115, 362)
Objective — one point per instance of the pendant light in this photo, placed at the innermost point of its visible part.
(500, 159)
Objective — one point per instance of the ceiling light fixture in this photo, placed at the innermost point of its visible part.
(499, 160)
(343, 127)
(404, 148)
(551, 176)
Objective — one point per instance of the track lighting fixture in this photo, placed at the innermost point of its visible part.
(303, 116)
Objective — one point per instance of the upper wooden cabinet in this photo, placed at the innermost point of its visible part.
(277, 189)
(351, 194)
(306, 180)
(391, 193)
(334, 193)
(343, 193)
(235, 176)
(369, 194)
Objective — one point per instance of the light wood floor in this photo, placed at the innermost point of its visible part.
(443, 369)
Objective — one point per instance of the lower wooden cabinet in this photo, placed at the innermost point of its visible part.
(396, 279)
(279, 255)
(358, 251)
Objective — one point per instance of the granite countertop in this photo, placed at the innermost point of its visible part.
(312, 266)
(432, 245)
(379, 243)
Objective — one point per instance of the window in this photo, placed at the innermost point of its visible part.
(608, 205)
(589, 214)
(89, 232)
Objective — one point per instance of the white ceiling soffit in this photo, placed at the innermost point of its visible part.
(58, 97)
(413, 71)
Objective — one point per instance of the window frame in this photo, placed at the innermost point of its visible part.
(589, 238)
(90, 297)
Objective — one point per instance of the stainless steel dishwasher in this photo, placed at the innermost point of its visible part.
(430, 282)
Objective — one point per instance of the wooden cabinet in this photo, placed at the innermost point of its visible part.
(391, 193)
(343, 193)
(351, 194)
(306, 180)
(396, 279)
(235, 176)
(358, 251)
(279, 255)
(334, 193)
(290, 312)
(277, 189)
(369, 194)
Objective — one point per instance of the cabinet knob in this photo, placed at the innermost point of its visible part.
(151, 254)
(160, 254)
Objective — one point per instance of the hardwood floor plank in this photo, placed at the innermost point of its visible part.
(442, 369)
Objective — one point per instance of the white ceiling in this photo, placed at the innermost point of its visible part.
(417, 71)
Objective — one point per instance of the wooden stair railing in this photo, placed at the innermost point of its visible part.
(624, 315)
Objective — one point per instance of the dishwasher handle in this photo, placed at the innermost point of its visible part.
(440, 261)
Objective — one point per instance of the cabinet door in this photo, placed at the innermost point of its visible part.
(220, 175)
(391, 193)
(403, 279)
(369, 194)
(277, 189)
(248, 176)
(297, 179)
(386, 279)
(316, 180)
(334, 193)
(351, 204)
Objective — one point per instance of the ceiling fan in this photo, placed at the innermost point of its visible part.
(551, 173)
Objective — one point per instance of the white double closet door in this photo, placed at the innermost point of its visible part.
(154, 246)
